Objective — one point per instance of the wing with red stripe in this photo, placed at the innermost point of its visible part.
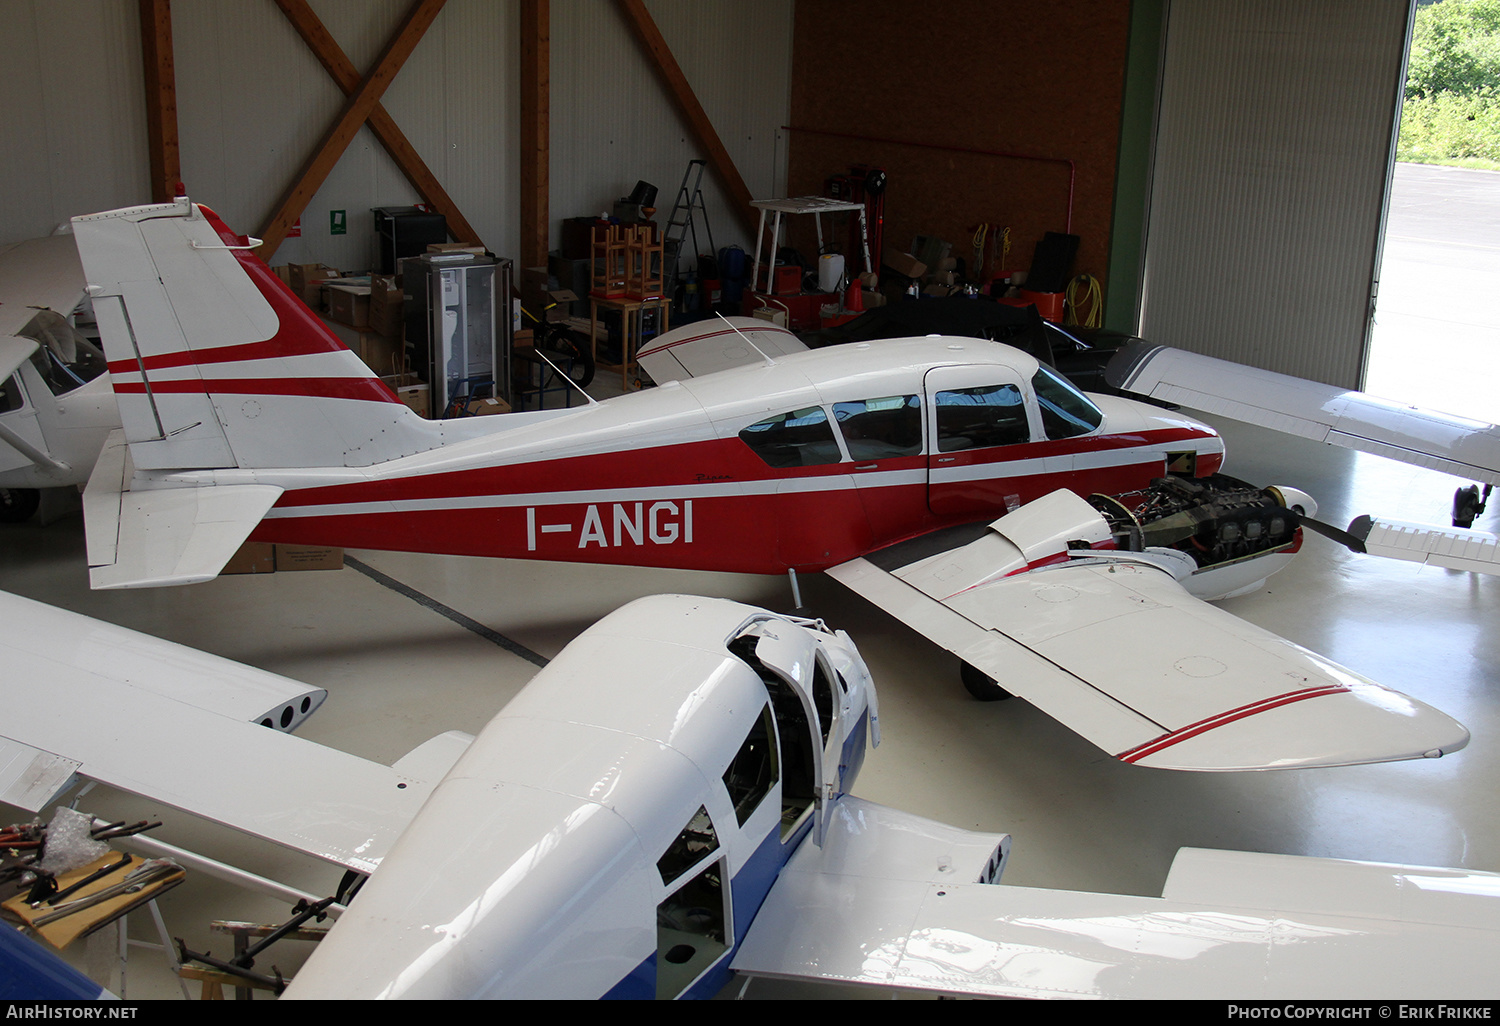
(1118, 651)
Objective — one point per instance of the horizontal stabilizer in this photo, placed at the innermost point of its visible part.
(713, 345)
(165, 536)
(1354, 420)
(131, 711)
(1288, 928)
(1121, 653)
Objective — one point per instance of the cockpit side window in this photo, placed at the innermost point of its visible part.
(972, 418)
(1066, 412)
(753, 770)
(801, 438)
(696, 842)
(879, 428)
(65, 359)
(10, 395)
(822, 697)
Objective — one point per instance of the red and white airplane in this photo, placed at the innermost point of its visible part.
(244, 418)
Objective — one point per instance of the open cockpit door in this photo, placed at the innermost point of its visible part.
(805, 783)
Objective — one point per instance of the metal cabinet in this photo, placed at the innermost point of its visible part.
(465, 342)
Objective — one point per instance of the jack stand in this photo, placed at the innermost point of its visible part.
(796, 591)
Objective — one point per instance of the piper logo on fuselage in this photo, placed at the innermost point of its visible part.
(628, 523)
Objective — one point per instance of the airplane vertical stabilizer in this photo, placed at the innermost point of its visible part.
(217, 364)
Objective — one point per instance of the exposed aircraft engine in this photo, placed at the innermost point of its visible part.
(1215, 519)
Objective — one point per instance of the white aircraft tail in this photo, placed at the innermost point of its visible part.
(217, 364)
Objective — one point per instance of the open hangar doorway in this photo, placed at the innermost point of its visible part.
(1435, 336)
(1265, 235)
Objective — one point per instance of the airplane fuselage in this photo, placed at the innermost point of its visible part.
(803, 464)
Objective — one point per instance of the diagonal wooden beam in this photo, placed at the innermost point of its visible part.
(536, 51)
(356, 110)
(343, 72)
(161, 98)
(644, 26)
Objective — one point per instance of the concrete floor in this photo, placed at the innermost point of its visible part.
(398, 673)
(1435, 341)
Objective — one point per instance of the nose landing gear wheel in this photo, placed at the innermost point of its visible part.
(17, 504)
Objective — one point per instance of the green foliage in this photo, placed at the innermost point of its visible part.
(1452, 108)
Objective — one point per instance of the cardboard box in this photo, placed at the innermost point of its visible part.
(252, 558)
(383, 354)
(307, 281)
(455, 247)
(308, 557)
(418, 397)
(387, 305)
(486, 407)
(903, 263)
(350, 304)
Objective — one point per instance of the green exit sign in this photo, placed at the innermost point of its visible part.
(338, 223)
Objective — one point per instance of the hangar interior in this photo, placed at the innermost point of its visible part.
(1223, 166)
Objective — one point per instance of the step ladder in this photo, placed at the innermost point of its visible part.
(681, 223)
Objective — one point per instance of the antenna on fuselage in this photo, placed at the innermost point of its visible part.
(566, 377)
(769, 362)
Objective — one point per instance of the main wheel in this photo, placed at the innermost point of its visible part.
(17, 504)
(1466, 506)
(981, 685)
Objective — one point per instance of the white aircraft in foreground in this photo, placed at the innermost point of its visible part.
(667, 804)
(243, 417)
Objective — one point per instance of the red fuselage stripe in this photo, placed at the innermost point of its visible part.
(1202, 726)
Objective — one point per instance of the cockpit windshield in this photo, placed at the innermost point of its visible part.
(1066, 412)
(65, 359)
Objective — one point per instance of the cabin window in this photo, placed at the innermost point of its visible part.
(696, 842)
(10, 395)
(65, 359)
(972, 418)
(1066, 412)
(753, 770)
(691, 927)
(823, 697)
(801, 438)
(879, 428)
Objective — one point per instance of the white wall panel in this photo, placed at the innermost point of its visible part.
(72, 113)
(1273, 149)
(253, 103)
(614, 124)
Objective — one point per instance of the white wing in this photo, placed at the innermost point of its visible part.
(1229, 925)
(38, 274)
(1439, 441)
(1117, 650)
(714, 345)
(131, 711)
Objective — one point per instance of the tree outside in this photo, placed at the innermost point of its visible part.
(1451, 111)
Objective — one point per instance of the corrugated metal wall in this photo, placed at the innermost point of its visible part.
(612, 123)
(253, 102)
(1273, 150)
(72, 113)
